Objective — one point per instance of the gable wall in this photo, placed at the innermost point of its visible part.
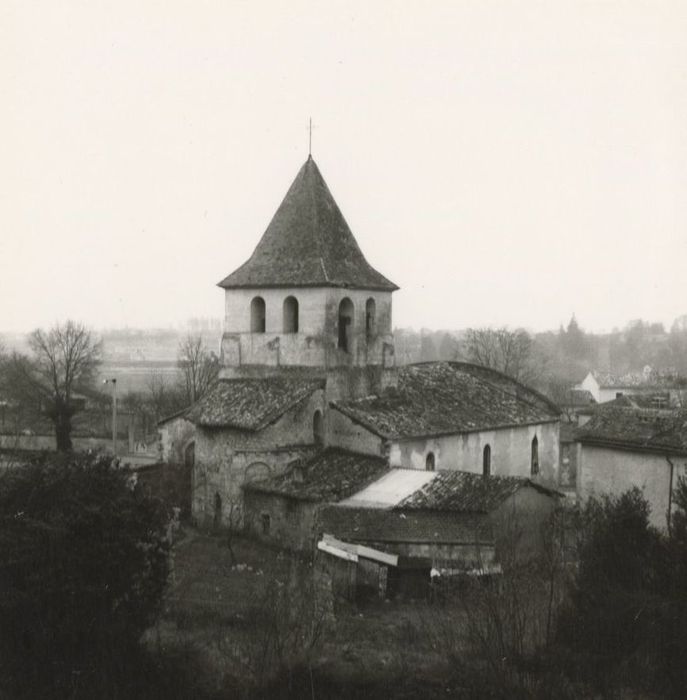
(602, 470)
(591, 385)
(223, 455)
(344, 433)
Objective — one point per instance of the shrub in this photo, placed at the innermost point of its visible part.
(83, 566)
(625, 625)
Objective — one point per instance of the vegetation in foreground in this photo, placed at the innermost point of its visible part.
(96, 604)
(83, 568)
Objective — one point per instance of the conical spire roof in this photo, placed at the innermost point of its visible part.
(308, 244)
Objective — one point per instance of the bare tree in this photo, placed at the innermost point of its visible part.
(509, 351)
(199, 367)
(64, 359)
(159, 395)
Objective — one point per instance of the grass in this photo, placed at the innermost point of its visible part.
(216, 612)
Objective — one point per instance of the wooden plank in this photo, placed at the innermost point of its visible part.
(336, 551)
(362, 551)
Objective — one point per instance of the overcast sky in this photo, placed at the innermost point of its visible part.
(503, 162)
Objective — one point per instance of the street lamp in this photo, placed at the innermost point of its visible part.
(113, 381)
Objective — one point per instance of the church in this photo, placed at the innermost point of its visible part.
(310, 399)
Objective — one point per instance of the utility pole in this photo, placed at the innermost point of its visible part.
(114, 413)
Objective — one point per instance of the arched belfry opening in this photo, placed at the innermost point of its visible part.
(430, 462)
(370, 318)
(290, 315)
(257, 315)
(346, 312)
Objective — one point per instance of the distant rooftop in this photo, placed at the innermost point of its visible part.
(637, 429)
(647, 379)
(308, 244)
(579, 398)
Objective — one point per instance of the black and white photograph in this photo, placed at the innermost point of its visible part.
(343, 350)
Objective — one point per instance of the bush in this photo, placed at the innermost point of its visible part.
(626, 624)
(84, 563)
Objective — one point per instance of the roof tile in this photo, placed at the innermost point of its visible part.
(308, 244)
(250, 404)
(466, 492)
(436, 398)
(643, 429)
(330, 475)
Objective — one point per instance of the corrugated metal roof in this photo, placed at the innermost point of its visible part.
(390, 489)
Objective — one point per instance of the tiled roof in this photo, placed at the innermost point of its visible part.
(649, 378)
(442, 398)
(639, 429)
(578, 398)
(308, 243)
(328, 476)
(465, 492)
(250, 404)
(654, 400)
(376, 525)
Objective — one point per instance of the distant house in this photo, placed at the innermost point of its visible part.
(623, 446)
(605, 386)
(652, 400)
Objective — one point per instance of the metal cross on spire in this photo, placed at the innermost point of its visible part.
(310, 127)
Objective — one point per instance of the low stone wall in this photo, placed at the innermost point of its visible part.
(47, 442)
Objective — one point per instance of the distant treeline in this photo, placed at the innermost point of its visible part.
(562, 356)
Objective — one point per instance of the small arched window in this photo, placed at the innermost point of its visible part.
(370, 311)
(257, 315)
(486, 460)
(534, 464)
(430, 462)
(290, 315)
(317, 428)
(346, 312)
(190, 455)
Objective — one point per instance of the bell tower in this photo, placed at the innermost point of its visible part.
(307, 301)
